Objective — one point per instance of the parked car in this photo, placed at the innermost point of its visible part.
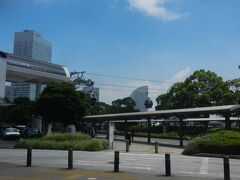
(32, 132)
(21, 129)
(11, 133)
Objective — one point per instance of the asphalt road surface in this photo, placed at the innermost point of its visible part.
(140, 163)
(7, 144)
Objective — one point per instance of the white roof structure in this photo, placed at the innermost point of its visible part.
(189, 112)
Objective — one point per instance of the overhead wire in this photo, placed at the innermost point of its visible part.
(130, 78)
(133, 87)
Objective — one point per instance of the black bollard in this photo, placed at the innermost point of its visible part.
(167, 165)
(29, 157)
(127, 145)
(116, 161)
(156, 147)
(70, 159)
(226, 168)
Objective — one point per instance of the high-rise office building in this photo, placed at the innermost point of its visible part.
(31, 45)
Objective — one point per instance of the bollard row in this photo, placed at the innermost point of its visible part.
(226, 164)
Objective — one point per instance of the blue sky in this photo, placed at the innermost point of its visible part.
(163, 40)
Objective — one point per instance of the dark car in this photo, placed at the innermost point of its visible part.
(32, 133)
(21, 129)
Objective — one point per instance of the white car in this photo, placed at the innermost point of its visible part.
(11, 133)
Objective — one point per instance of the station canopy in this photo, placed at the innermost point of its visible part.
(227, 110)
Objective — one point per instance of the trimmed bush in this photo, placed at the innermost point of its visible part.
(65, 141)
(221, 142)
(66, 137)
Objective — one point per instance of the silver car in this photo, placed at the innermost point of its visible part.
(11, 133)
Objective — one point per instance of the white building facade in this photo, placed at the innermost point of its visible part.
(3, 69)
(140, 95)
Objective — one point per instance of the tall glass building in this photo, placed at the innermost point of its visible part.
(31, 45)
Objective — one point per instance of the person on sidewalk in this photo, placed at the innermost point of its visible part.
(128, 136)
(132, 134)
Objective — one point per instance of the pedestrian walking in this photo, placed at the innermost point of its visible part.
(128, 136)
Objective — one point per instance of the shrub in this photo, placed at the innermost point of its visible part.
(65, 141)
(66, 137)
(220, 142)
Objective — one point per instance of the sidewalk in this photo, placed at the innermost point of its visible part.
(14, 172)
(145, 148)
(139, 145)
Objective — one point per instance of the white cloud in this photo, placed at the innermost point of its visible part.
(156, 8)
(181, 75)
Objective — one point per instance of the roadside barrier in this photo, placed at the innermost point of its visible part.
(70, 159)
(29, 157)
(116, 161)
(226, 164)
(226, 168)
(167, 165)
(156, 147)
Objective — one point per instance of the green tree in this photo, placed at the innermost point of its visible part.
(124, 105)
(20, 112)
(234, 87)
(100, 108)
(202, 88)
(61, 103)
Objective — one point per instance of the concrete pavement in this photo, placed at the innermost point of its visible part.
(140, 163)
(149, 165)
(16, 172)
(145, 148)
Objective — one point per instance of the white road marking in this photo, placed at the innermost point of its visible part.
(204, 166)
(107, 165)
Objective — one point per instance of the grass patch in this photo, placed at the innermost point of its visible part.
(220, 142)
(64, 141)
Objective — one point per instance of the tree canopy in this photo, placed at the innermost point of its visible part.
(202, 88)
(124, 105)
(100, 108)
(62, 103)
(19, 113)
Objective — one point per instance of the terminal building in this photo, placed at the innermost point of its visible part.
(18, 69)
(3, 69)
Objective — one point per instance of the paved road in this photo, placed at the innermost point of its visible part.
(138, 163)
(7, 144)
